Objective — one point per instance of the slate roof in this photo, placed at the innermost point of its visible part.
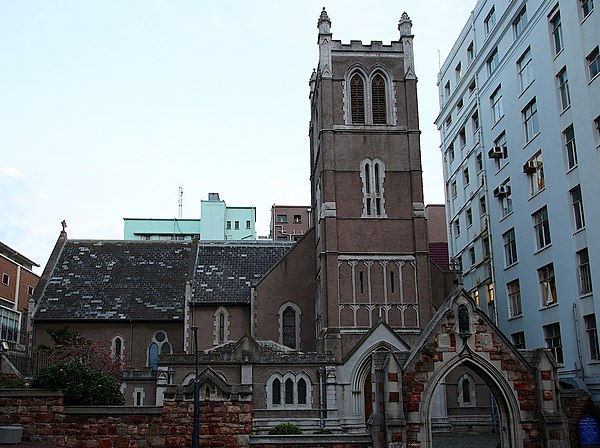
(439, 254)
(225, 270)
(117, 280)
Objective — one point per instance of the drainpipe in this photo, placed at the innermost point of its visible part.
(321, 372)
(576, 321)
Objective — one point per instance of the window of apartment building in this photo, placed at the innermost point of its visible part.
(237, 225)
(282, 218)
(553, 341)
(475, 121)
(485, 246)
(591, 331)
(454, 189)
(503, 193)
(525, 69)
(593, 62)
(556, 27)
(518, 339)
(448, 121)
(547, 285)
(489, 21)
(451, 151)
(469, 215)
(585, 273)
(510, 247)
(248, 225)
(563, 88)
(472, 86)
(297, 219)
(577, 203)
(489, 291)
(597, 127)
(447, 89)
(482, 206)
(530, 121)
(457, 227)
(514, 298)
(472, 256)
(587, 6)
(462, 138)
(541, 228)
(570, 147)
(479, 162)
(470, 53)
(520, 22)
(6, 279)
(228, 225)
(475, 295)
(466, 176)
(496, 102)
(535, 172)
(458, 72)
(492, 61)
(459, 105)
(499, 151)
(372, 174)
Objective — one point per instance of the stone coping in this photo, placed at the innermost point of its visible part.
(113, 410)
(30, 393)
(311, 439)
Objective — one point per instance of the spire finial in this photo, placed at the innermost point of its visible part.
(405, 25)
(324, 24)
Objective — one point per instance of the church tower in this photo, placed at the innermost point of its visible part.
(367, 193)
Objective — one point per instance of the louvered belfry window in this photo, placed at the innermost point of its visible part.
(357, 99)
(378, 95)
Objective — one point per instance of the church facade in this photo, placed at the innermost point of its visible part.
(351, 330)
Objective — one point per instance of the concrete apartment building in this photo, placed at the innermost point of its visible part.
(17, 285)
(520, 130)
(289, 222)
(218, 223)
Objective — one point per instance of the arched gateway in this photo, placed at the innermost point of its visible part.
(461, 337)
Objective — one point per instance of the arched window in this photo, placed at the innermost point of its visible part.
(357, 99)
(117, 348)
(301, 391)
(221, 326)
(372, 174)
(289, 391)
(378, 100)
(289, 325)
(159, 344)
(466, 391)
(276, 391)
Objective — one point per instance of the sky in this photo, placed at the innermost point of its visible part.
(108, 107)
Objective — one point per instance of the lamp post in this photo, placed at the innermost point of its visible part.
(196, 430)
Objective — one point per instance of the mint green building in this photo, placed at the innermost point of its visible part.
(217, 223)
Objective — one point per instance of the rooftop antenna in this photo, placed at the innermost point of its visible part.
(439, 61)
(180, 202)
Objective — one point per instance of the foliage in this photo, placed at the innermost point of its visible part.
(70, 346)
(10, 382)
(81, 384)
(284, 429)
(81, 368)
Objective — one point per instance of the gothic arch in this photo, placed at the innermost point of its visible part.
(285, 330)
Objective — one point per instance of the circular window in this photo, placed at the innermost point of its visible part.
(160, 336)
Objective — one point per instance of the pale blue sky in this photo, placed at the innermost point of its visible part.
(108, 107)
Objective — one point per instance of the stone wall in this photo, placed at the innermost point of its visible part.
(46, 420)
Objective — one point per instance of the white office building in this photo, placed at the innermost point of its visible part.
(520, 130)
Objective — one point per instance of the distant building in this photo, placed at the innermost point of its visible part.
(218, 223)
(289, 222)
(17, 284)
(437, 236)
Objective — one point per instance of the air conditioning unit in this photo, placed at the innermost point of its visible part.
(530, 166)
(501, 191)
(497, 152)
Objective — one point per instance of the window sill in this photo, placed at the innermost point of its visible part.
(565, 109)
(573, 168)
(581, 229)
(518, 316)
(584, 20)
(586, 295)
(506, 216)
(597, 75)
(525, 89)
(533, 195)
(496, 123)
(594, 362)
(532, 139)
(551, 305)
(541, 249)
(558, 53)
(506, 268)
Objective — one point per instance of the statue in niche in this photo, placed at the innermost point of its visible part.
(463, 319)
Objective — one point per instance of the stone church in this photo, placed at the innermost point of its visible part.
(351, 330)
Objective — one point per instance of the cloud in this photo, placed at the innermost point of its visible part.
(10, 171)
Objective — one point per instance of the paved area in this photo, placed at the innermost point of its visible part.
(468, 440)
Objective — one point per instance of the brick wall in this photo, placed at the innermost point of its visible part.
(46, 420)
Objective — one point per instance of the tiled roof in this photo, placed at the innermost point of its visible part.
(439, 254)
(225, 271)
(117, 280)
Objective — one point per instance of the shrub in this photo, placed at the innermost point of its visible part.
(10, 382)
(80, 384)
(283, 429)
